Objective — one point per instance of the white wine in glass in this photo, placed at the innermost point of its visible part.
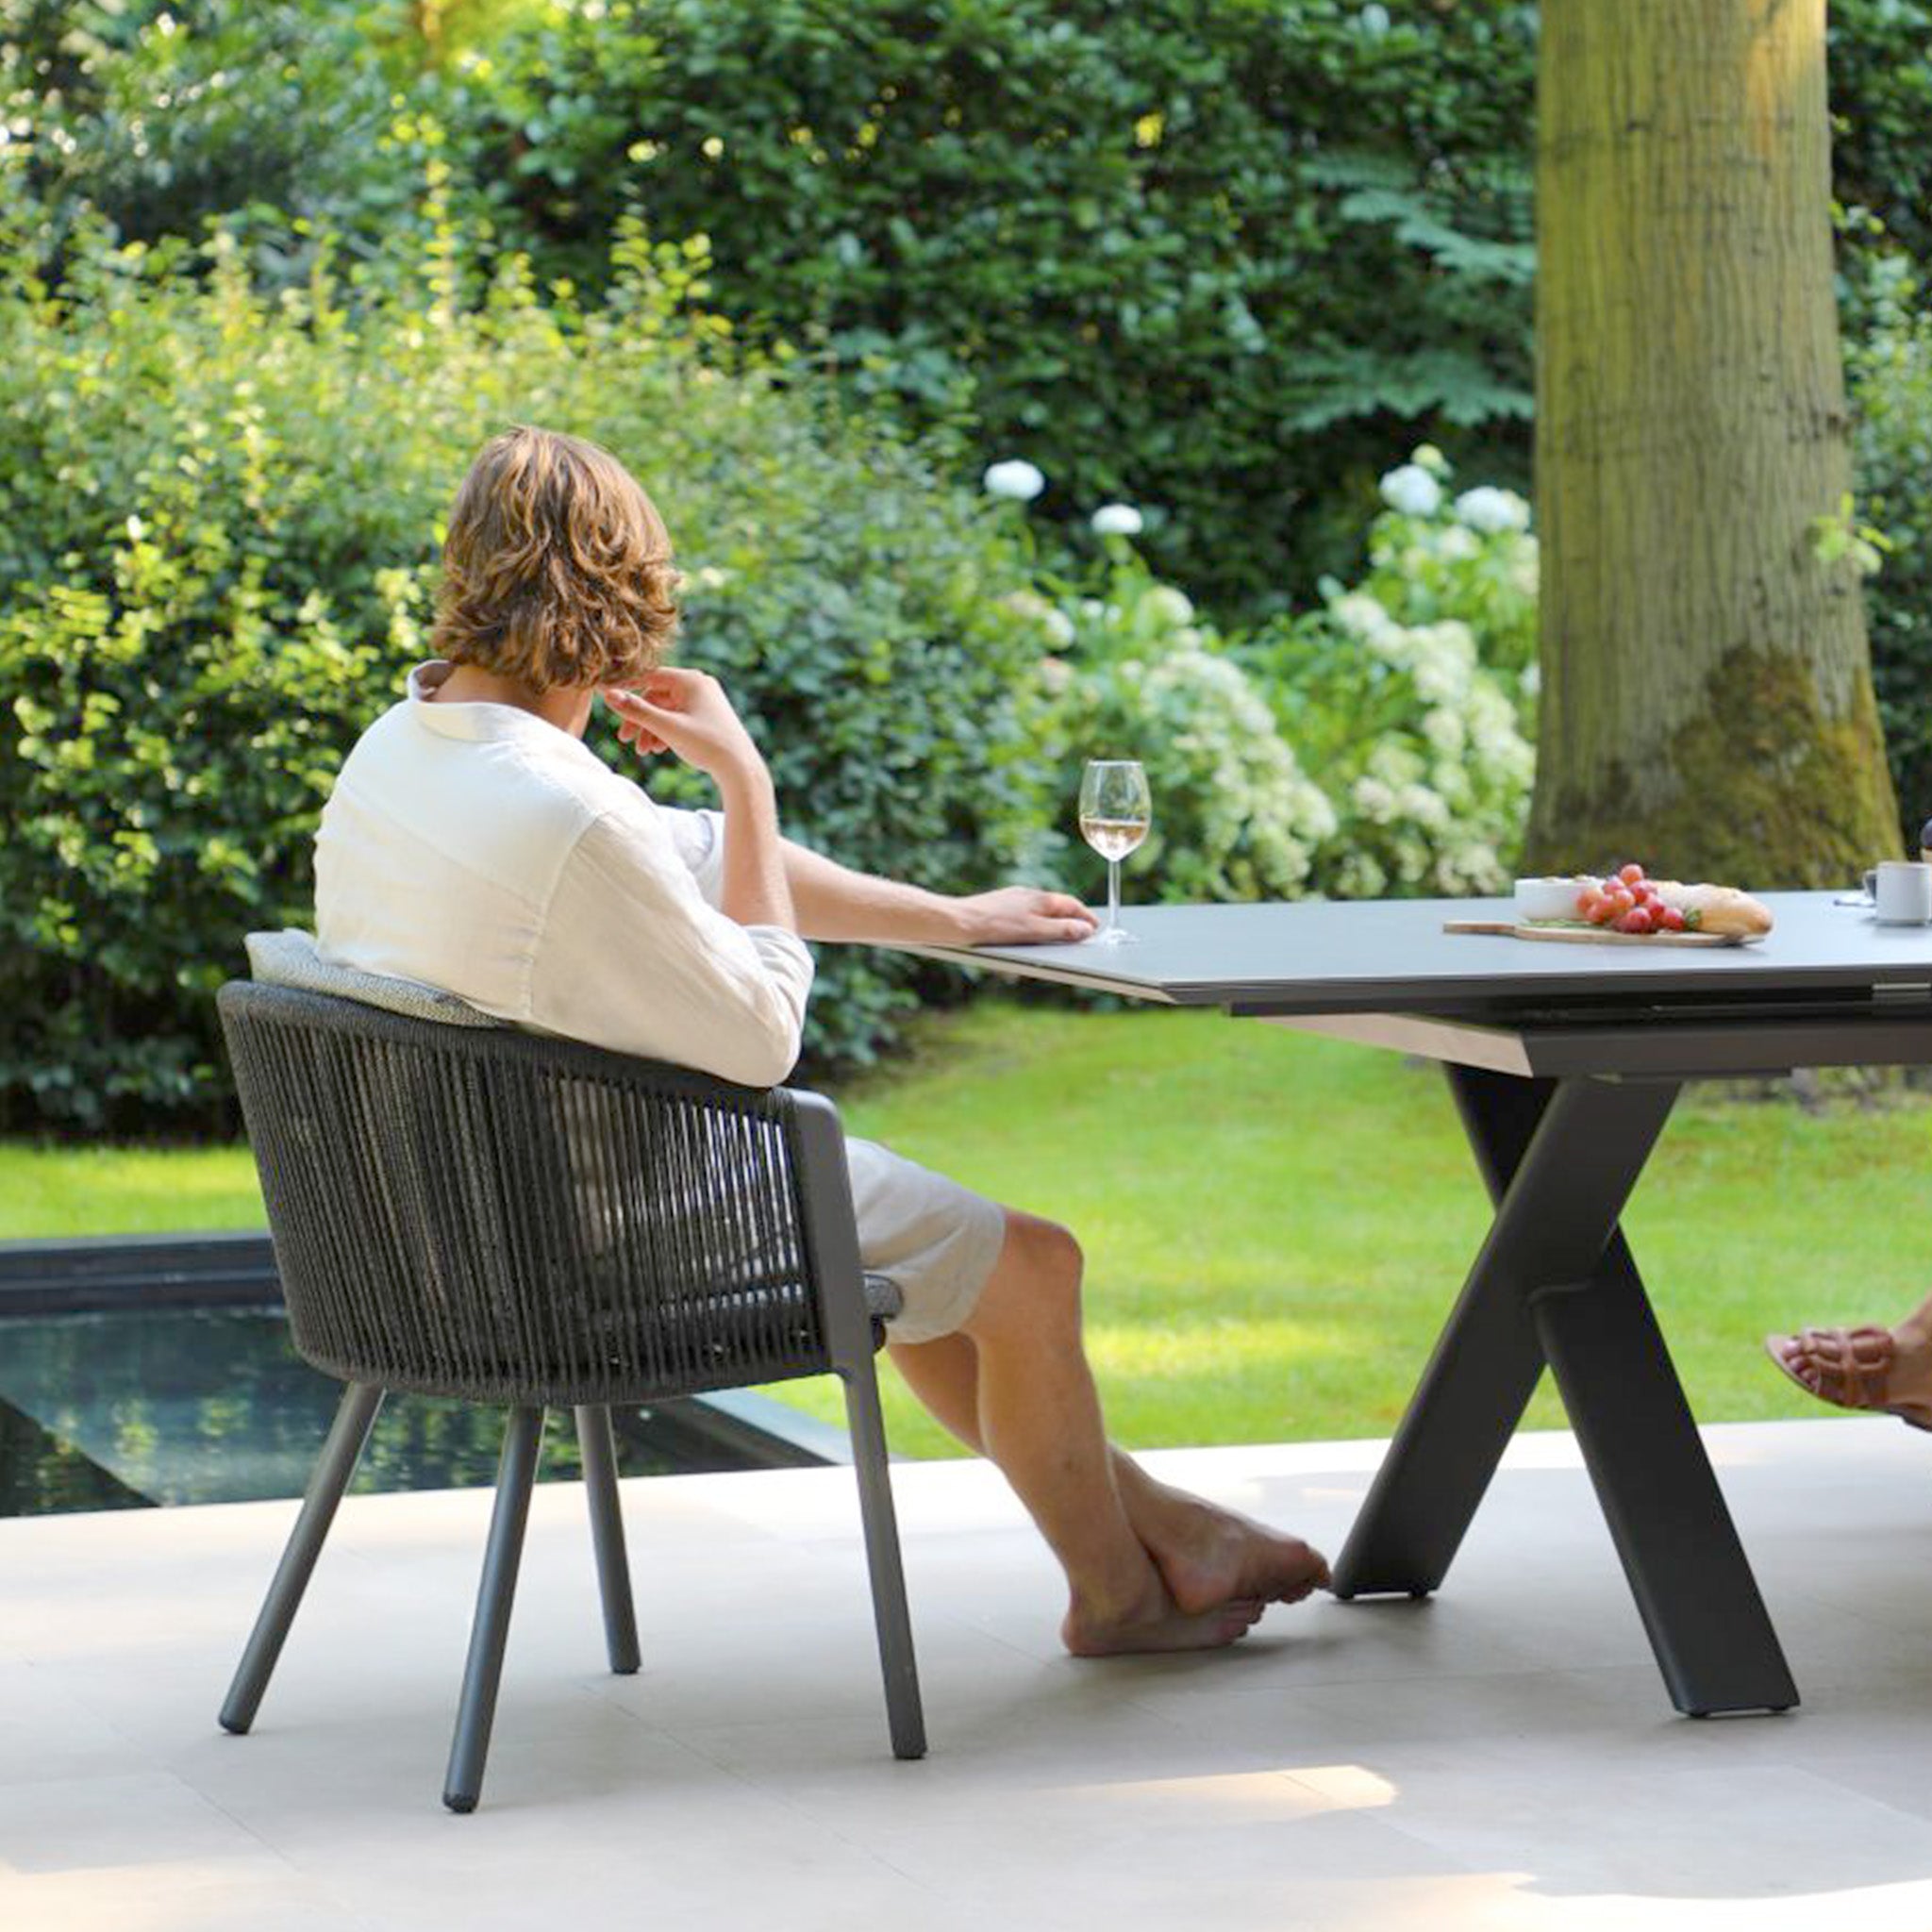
(1116, 810)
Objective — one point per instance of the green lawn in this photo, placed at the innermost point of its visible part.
(1273, 1224)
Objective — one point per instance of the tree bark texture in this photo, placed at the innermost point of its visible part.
(1706, 704)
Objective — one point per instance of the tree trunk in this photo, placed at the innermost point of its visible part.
(1706, 704)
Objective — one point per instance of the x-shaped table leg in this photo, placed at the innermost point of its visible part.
(1555, 1284)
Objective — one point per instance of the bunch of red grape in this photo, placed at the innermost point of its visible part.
(1628, 902)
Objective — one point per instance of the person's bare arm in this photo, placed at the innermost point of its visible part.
(687, 712)
(835, 903)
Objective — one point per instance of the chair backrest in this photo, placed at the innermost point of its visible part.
(506, 1216)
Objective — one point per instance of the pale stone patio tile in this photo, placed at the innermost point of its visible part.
(1500, 1760)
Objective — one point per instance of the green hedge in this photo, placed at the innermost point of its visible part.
(1217, 258)
(1881, 107)
(159, 115)
(1891, 394)
(1205, 256)
(1220, 258)
(217, 540)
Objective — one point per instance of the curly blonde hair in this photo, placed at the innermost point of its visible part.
(557, 569)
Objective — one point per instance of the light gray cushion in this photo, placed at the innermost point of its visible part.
(293, 958)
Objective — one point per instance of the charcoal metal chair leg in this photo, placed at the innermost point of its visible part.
(515, 1475)
(903, 1714)
(599, 1446)
(355, 1417)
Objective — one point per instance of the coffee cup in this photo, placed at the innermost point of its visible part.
(1901, 892)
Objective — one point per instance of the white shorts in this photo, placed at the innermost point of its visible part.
(934, 1240)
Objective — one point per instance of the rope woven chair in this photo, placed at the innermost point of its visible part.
(508, 1218)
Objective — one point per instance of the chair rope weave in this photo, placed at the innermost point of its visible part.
(508, 1217)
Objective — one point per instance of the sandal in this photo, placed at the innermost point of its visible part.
(1853, 1366)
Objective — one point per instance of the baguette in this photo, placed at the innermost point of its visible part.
(1722, 910)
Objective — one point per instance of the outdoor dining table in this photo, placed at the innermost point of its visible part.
(1564, 1062)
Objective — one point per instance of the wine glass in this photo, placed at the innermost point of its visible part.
(1116, 810)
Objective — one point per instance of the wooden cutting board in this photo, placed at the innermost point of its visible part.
(1598, 935)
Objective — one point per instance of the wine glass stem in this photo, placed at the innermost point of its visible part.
(1113, 895)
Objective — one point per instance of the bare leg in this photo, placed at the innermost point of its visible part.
(1014, 1384)
(1038, 1418)
(1206, 1554)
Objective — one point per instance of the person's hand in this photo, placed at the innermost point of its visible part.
(1024, 916)
(685, 714)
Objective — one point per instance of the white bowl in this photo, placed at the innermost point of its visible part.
(1547, 898)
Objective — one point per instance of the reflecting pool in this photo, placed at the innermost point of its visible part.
(135, 1409)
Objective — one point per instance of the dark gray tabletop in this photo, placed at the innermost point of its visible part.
(1392, 956)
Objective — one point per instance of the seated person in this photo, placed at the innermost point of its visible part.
(474, 841)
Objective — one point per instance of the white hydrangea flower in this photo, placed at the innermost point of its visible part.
(1441, 677)
(1476, 868)
(1373, 799)
(1492, 510)
(1257, 817)
(1393, 763)
(1315, 811)
(1360, 877)
(1532, 680)
(1361, 614)
(1444, 729)
(1060, 626)
(1422, 806)
(1172, 606)
(1457, 544)
(1450, 778)
(1412, 491)
(1492, 716)
(1015, 479)
(1117, 520)
(1394, 643)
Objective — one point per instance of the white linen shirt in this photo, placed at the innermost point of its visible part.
(478, 848)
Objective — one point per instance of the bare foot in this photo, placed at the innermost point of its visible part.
(1868, 1367)
(1207, 1554)
(1221, 1556)
(1156, 1624)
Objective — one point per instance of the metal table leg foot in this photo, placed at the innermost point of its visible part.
(1555, 1281)
(1680, 1551)
(1478, 1381)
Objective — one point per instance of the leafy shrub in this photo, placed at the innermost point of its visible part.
(1214, 258)
(1411, 697)
(1200, 256)
(1207, 255)
(1235, 817)
(1381, 745)
(1891, 394)
(157, 115)
(218, 522)
(1881, 100)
